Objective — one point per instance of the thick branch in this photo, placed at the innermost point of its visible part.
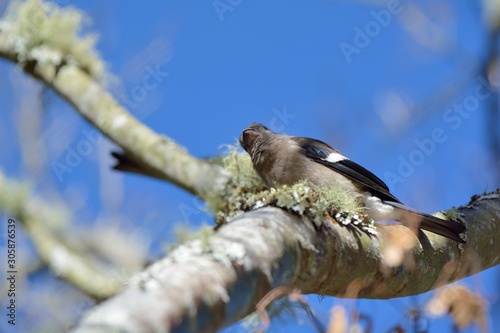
(206, 284)
(157, 154)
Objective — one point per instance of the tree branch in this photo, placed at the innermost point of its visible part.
(209, 283)
(33, 215)
(157, 154)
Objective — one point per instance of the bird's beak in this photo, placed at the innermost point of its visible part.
(247, 138)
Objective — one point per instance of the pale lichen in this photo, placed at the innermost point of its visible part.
(14, 197)
(185, 234)
(454, 214)
(43, 32)
(239, 165)
(246, 191)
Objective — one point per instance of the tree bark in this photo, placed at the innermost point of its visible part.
(209, 283)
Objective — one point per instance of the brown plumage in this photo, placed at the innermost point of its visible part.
(285, 160)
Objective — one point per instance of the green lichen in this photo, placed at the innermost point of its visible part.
(337, 196)
(454, 214)
(15, 198)
(243, 179)
(246, 192)
(202, 235)
(185, 234)
(41, 31)
(239, 165)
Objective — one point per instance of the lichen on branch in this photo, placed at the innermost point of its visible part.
(43, 32)
(245, 191)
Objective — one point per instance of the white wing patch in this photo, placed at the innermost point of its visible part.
(377, 210)
(335, 157)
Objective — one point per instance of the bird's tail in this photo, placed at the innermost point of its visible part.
(446, 228)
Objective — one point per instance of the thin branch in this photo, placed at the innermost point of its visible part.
(33, 215)
(159, 154)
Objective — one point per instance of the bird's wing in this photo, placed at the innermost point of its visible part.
(322, 153)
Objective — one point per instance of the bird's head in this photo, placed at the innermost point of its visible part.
(254, 136)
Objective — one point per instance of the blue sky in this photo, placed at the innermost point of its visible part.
(392, 106)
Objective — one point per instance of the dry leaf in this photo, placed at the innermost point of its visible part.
(398, 241)
(464, 306)
(338, 320)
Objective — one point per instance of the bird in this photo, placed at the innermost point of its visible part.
(280, 159)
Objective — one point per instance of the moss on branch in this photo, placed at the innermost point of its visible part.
(245, 191)
(42, 32)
